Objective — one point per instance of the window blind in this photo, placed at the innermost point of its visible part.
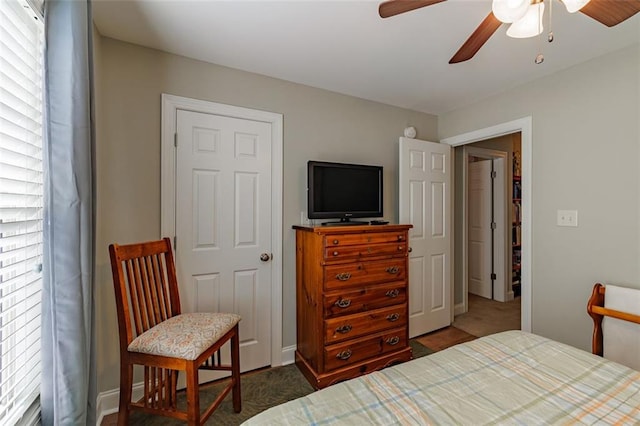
(21, 206)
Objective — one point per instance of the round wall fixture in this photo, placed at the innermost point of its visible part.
(410, 132)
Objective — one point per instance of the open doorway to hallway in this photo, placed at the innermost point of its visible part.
(491, 262)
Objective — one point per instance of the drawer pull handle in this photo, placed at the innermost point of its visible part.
(343, 276)
(400, 248)
(392, 270)
(343, 303)
(344, 329)
(392, 293)
(344, 355)
(335, 242)
(335, 253)
(393, 317)
(400, 238)
(393, 340)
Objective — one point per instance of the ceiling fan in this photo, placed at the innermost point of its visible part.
(525, 17)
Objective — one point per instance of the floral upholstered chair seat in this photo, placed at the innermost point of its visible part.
(184, 336)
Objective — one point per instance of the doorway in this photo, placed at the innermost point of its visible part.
(522, 126)
(485, 257)
(487, 237)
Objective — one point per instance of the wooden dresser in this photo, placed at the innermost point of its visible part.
(352, 300)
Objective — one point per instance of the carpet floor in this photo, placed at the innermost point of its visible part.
(486, 316)
(260, 390)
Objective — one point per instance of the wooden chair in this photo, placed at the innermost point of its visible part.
(155, 334)
(597, 311)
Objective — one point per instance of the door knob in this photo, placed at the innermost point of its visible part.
(265, 257)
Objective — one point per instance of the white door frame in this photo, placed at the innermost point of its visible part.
(490, 154)
(170, 105)
(524, 126)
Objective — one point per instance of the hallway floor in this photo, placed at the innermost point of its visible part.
(487, 316)
(483, 318)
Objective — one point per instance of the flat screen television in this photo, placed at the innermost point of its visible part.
(343, 191)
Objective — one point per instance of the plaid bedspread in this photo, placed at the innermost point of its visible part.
(506, 378)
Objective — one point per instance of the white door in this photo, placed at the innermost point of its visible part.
(425, 202)
(223, 224)
(480, 244)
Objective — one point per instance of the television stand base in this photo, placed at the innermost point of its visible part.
(344, 223)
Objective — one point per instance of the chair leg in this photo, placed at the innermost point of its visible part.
(235, 371)
(193, 395)
(126, 383)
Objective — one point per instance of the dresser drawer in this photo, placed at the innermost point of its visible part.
(349, 326)
(341, 240)
(364, 250)
(367, 298)
(358, 273)
(344, 354)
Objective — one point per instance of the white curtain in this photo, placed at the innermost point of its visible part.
(68, 392)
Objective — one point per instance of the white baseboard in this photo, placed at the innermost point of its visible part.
(289, 355)
(108, 401)
(458, 309)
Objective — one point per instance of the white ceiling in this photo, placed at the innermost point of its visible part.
(344, 46)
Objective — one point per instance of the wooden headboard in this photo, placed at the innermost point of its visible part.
(597, 311)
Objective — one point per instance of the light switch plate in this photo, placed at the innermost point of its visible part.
(567, 217)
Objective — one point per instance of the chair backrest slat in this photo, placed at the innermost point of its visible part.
(145, 285)
(130, 294)
(161, 292)
(151, 291)
(161, 283)
(173, 293)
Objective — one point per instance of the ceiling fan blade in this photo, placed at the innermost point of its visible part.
(396, 7)
(476, 40)
(611, 12)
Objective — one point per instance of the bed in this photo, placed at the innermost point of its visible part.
(511, 377)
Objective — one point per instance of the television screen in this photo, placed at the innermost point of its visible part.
(343, 191)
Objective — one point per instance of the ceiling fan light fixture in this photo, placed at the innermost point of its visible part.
(574, 5)
(530, 25)
(508, 11)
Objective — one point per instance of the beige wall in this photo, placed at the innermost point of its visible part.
(318, 125)
(586, 157)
